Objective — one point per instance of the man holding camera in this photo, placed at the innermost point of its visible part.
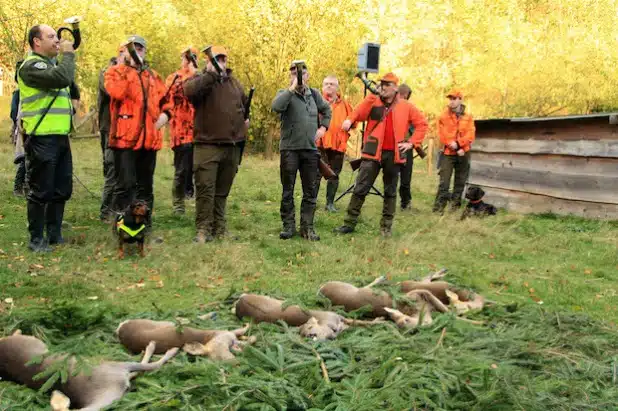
(220, 128)
(456, 131)
(334, 142)
(46, 116)
(135, 91)
(305, 117)
(384, 147)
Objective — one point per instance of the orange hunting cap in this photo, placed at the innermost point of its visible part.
(216, 51)
(456, 93)
(391, 78)
(191, 50)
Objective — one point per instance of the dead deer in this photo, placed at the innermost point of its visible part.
(92, 391)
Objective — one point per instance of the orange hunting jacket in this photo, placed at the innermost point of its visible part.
(335, 138)
(134, 107)
(176, 103)
(372, 110)
(451, 128)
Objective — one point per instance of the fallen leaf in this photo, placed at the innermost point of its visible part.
(494, 366)
(160, 284)
(93, 298)
(492, 256)
(155, 278)
(406, 251)
(531, 290)
(140, 285)
(587, 271)
(8, 300)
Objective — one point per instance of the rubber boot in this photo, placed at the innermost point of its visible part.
(36, 224)
(54, 212)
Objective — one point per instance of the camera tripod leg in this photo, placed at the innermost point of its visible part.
(375, 192)
(347, 191)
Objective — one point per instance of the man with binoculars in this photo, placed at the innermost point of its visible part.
(46, 116)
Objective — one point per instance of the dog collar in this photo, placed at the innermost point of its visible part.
(475, 201)
(128, 230)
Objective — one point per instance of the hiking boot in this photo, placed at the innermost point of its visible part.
(330, 207)
(202, 238)
(287, 233)
(39, 245)
(406, 207)
(309, 234)
(344, 229)
(386, 232)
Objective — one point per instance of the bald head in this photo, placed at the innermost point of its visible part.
(330, 86)
(43, 40)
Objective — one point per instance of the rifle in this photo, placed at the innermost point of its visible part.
(247, 112)
(325, 170)
(248, 103)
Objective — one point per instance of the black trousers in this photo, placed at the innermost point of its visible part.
(183, 175)
(50, 183)
(334, 159)
(405, 189)
(367, 174)
(133, 177)
(292, 162)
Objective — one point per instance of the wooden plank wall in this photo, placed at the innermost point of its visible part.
(564, 166)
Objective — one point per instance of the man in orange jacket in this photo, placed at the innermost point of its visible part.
(384, 147)
(456, 132)
(135, 91)
(333, 143)
(181, 127)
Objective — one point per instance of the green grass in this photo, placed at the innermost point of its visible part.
(558, 355)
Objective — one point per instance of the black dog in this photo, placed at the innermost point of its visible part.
(130, 226)
(476, 206)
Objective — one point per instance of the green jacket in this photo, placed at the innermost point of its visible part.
(49, 76)
(45, 95)
(299, 118)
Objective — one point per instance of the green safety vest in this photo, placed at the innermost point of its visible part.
(34, 102)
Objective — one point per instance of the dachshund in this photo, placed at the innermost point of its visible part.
(130, 226)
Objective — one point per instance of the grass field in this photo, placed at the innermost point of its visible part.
(551, 343)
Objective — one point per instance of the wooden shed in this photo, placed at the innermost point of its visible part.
(564, 165)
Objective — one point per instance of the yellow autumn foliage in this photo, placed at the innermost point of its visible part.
(511, 57)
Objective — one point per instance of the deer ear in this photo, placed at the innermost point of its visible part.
(195, 348)
(59, 401)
